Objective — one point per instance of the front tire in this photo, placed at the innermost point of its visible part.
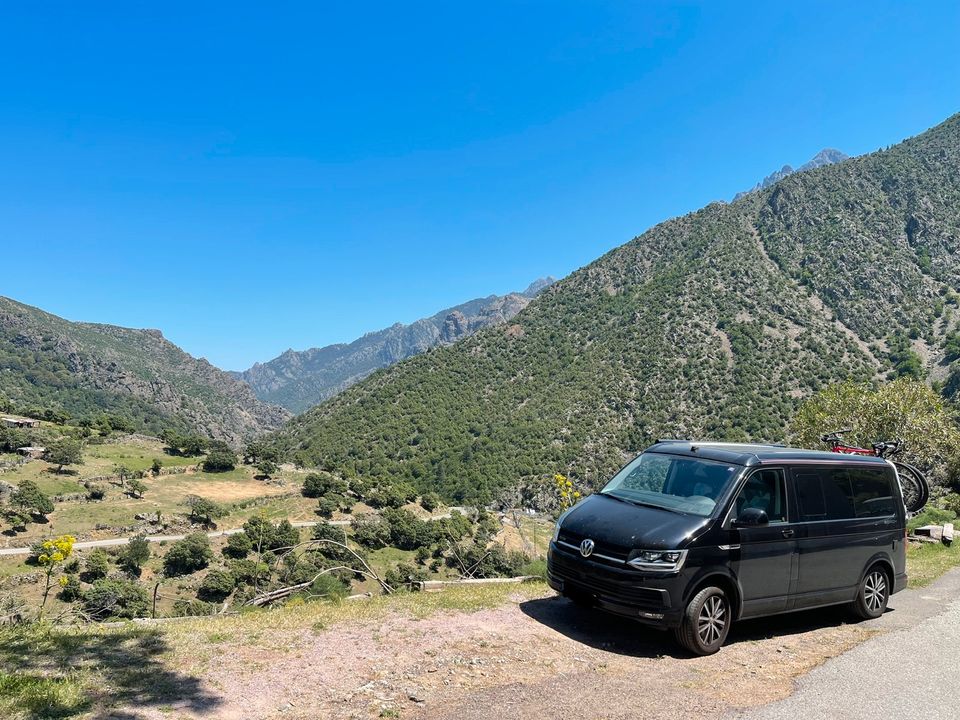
(706, 622)
(873, 595)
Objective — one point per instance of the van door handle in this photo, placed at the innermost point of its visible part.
(788, 533)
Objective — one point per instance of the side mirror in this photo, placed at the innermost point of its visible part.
(752, 517)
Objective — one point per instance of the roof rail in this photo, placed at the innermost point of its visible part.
(663, 440)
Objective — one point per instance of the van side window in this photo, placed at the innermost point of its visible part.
(810, 502)
(872, 492)
(824, 494)
(764, 490)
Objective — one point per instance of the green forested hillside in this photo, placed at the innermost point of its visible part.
(714, 325)
(88, 370)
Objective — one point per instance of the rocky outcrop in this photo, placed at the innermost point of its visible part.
(827, 156)
(299, 380)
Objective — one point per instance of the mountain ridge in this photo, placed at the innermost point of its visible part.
(87, 369)
(299, 379)
(827, 156)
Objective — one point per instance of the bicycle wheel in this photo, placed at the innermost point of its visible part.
(916, 492)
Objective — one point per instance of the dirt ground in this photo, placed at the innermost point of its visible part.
(525, 659)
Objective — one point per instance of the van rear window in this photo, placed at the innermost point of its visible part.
(843, 493)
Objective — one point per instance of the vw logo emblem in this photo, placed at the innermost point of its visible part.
(586, 547)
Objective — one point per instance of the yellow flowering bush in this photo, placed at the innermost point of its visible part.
(565, 491)
(53, 553)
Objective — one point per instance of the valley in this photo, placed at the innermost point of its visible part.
(393, 535)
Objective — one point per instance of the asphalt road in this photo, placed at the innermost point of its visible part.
(910, 670)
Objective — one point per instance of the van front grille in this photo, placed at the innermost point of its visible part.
(600, 547)
(581, 575)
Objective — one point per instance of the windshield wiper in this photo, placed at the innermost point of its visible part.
(640, 503)
(621, 499)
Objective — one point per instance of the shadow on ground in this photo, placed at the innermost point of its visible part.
(623, 636)
(109, 668)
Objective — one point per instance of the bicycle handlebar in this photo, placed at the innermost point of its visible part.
(835, 435)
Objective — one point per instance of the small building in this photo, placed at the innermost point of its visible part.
(20, 422)
(33, 452)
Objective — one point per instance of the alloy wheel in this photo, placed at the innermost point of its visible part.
(712, 620)
(875, 591)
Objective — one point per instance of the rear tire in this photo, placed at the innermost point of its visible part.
(873, 594)
(706, 622)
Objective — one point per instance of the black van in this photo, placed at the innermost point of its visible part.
(692, 536)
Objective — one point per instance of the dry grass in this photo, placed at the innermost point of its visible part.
(164, 494)
(928, 561)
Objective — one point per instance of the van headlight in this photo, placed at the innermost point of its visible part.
(658, 560)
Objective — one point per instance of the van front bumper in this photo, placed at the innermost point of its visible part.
(652, 599)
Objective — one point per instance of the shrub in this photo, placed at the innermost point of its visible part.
(317, 485)
(535, 568)
(267, 468)
(188, 555)
(392, 495)
(931, 515)
(487, 562)
(370, 530)
(248, 571)
(430, 501)
(203, 510)
(194, 608)
(238, 545)
(96, 566)
(29, 498)
(266, 536)
(404, 576)
(284, 536)
(220, 460)
(329, 552)
(136, 553)
(114, 598)
(326, 507)
(216, 586)
(96, 492)
(407, 531)
(70, 588)
(329, 587)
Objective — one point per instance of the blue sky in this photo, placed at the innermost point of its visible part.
(250, 177)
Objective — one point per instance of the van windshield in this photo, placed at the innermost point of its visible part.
(672, 482)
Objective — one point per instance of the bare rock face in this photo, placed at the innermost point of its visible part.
(827, 156)
(455, 326)
(299, 380)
